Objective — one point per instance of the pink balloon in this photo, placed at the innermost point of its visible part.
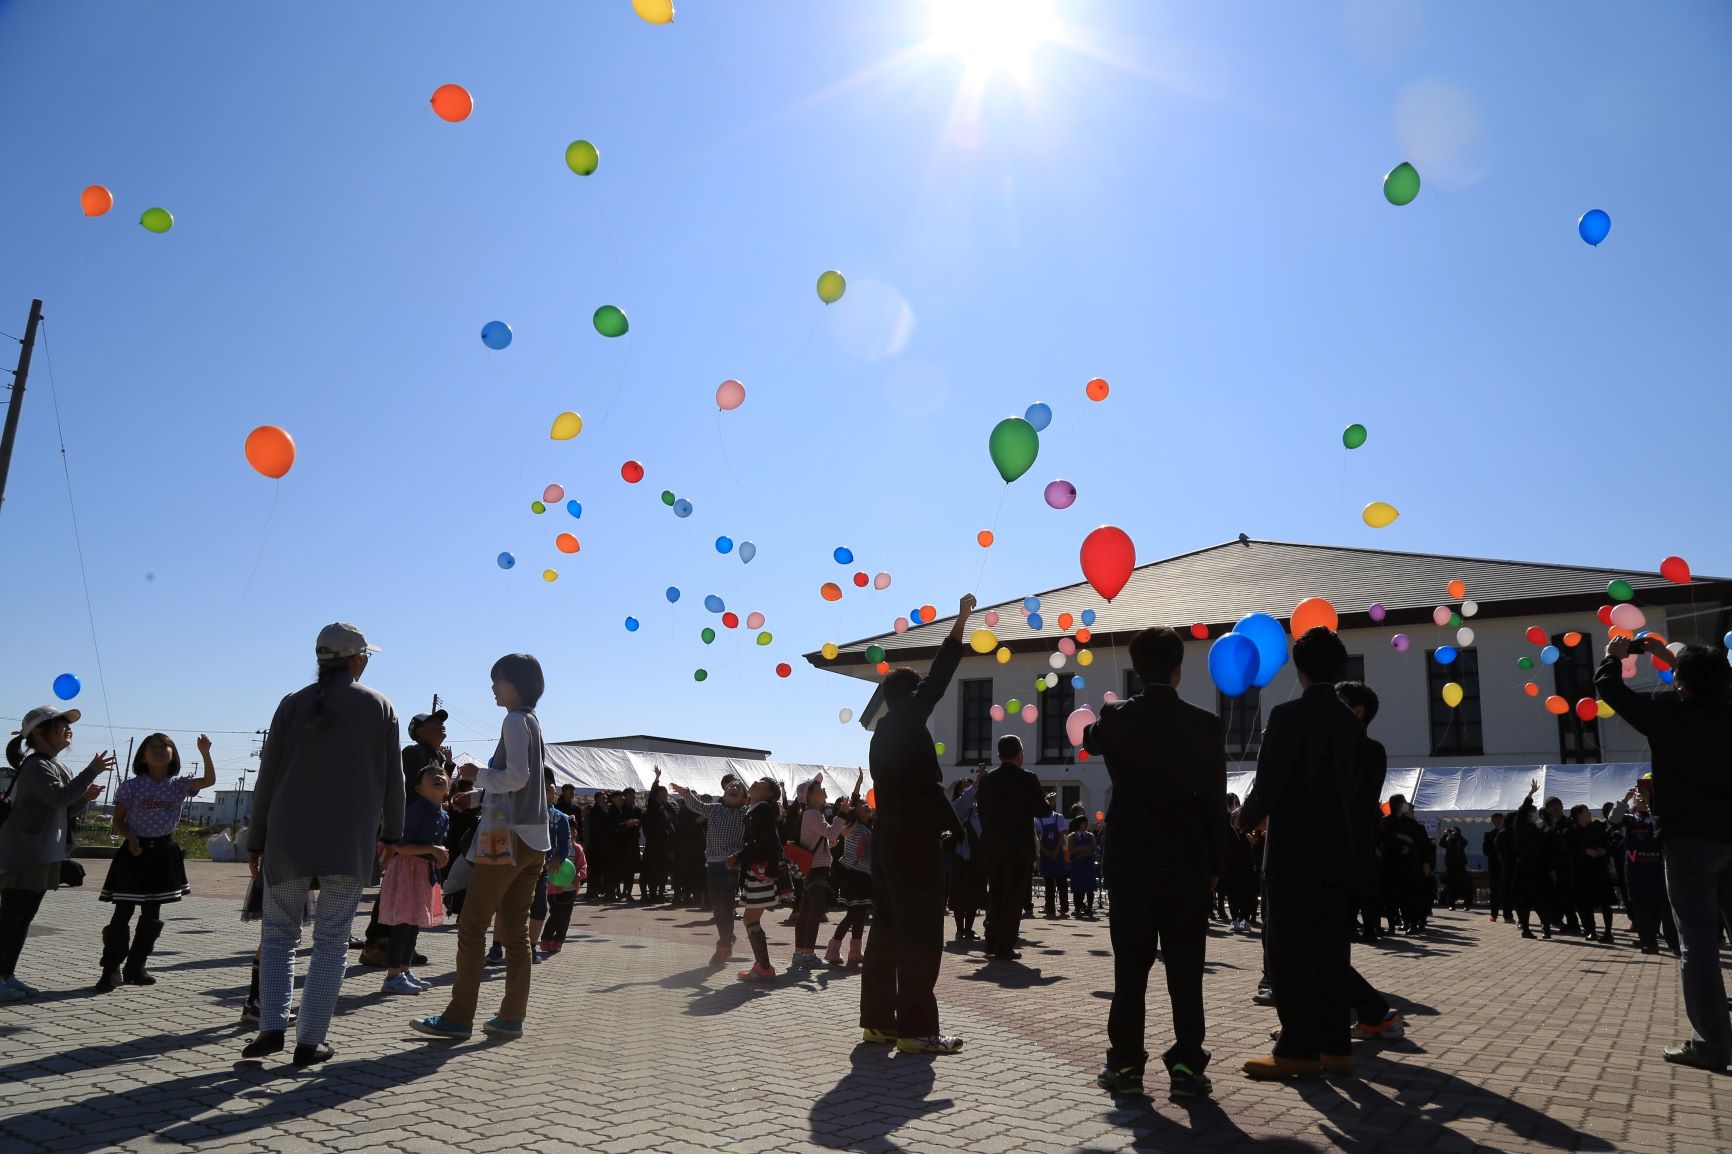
(553, 494)
(902, 625)
(1076, 722)
(1627, 616)
(1399, 642)
(754, 621)
(1067, 647)
(991, 618)
(1060, 495)
(1441, 615)
(882, 581)
(1109, 695)
(1030, 714)
(730, 394)
(996, 713)
(1628, 669)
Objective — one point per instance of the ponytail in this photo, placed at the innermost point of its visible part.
(15, 752)
(329, 667)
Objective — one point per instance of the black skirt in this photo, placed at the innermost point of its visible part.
(854, 887)
(156, 875)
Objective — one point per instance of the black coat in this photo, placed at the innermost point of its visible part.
(1691, 742)
(913, 809)
(1369, 772)
(1305, 775)
(1010, 798)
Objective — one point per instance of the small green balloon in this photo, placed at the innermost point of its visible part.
(581, 157)
(1402, 184)
(1525, 663)
(1040, 685)
(1013, 706)
(157, 219)
(1353, 436)
(938, 748)
(1014, 445)
(701, 675)
(1455, 620)
(610, 321)
(537, 507)
(764, 638)
(831, 286)
(708, 635)
(667, 497)
(1619, 590)
(874, 653)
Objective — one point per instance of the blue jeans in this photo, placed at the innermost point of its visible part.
(1699, 884)
(723, 886)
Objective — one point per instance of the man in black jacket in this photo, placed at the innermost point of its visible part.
(1305, 774)
(1010, 799)
(1168, 763)
(907, 938)
(1372, 1015)
(1689, 732)
(1489, 846)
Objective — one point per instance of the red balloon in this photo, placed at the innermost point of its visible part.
(862, 580)
(1108, 556)
(632, 472)
(784, 669)
(731, 619)
(1537, 635)
(1675, 570)
(1605, 615)
(1587, 709)
(1200, 631)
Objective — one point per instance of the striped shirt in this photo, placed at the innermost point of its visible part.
(857, 848)
(726, 830)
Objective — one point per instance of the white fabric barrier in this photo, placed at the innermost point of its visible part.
(1463, 790)
(595, 770)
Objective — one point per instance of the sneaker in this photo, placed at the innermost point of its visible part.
(548, 949)
(418, 979)
(1689, 1054)
(505, 1029)
(24, 990)
(9, 991)
(400, 984)
(1390, 1029)
(1120, 1083)
(1184, 1082)
(439, 1026)
(876, 1037)
(1264, 996)
(537, 957)
(936, 1044)
(801, 961)
(495, 955)
(758, 973)
(250, 1013)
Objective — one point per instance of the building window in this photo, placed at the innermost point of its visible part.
(1056, 704)
(1454, 732)
(1241, 723)
(1355, 670)
(975, 732)
(1578, 740)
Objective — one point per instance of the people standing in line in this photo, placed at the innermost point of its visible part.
(328, 804)
(410, 898)
(1644, 868)
(1590, 883)
(906, 945)
(1456, 884)
(817, 835)
(1305, 773)
(853, 876)
(1050, 829)
(1556, 826)
(760, 861)
(1167, 761)
(1373, 1017)
(1010, 799)
(37, 837)
(507, 856)
(1689, 732)
(689, 857)
(1490, 846)
(1402, 845)
(149, 870)
(724, 832)
(965, 873)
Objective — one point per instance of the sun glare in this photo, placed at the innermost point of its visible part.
(991, 36)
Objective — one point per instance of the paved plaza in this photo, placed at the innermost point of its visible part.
(636, 1045)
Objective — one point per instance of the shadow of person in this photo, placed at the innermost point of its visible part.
(1011, 975)
(881, 1090)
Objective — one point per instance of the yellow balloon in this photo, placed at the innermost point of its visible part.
(983, 641)
(1452, 695)
(566, 426)
(654, 11)
(1003, 655)
(1604, 710)
(1084, 657)
(550, 574)
(831, 286)
(1380, 514)
(829, 651)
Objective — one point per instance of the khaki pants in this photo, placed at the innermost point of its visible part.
(508, 891)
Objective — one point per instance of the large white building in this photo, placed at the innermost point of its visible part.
(1497, 723)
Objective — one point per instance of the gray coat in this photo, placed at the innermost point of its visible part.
(45, 796)
(330, 774)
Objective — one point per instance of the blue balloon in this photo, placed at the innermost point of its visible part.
(1039, 415)
(1088, 616)
(1549, 655)
(1666, 675)
(1076, 681)
(1594, 225)
(724, 545)
(714, 604)
(1031, 603)
(631, 624)
(574, 508)
(1446, 654)
(1234, 662)
(914, 617)
(66, 686)
(506, 560)
(682, 508)
(495, 334)
(673, 594)
(1036, 621)
(747, 552)
(1726, 642)
(843, 555)
(1271, 641)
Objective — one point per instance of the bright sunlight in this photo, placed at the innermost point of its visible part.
(991, 36)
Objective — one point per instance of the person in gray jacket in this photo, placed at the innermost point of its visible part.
(329, 800)
(37, 837)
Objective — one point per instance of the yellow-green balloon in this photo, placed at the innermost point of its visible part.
(581, 157)
(831, 286)
(159, 220)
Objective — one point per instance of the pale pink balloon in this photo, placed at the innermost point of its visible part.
(1627, 616)
(996, 713)
(1628, 669)
(754, 621)
(553, 494)
(991, 618)
(730, 394)
(1109, 695)
(1441, 615)
(1067, 647)
(882, 581)
(1030, 714)
(902, 625)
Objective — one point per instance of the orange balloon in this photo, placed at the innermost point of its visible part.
(566, 543)
(882, 667)
(1385, 809)
(1572, 639)
(1098, 390)
(452, 102)
(1065, 621)
(1531, 689)
(985, 538)
(928, 614)
(1083, 636)
(1557, 705)
(872, 798)
(1457, 589)
(1619, 631)
(96, 200)
(831, 591)
(270, 450)
(1314, 613)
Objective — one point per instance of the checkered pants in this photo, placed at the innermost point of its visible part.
(284, 907)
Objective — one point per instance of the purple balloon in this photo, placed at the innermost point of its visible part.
(1378, 612)
(1060, 494)
(1400, 642)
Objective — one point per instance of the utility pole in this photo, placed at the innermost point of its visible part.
(18, 377)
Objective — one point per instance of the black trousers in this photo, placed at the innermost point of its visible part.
(558, 922)
(1150, 912)
(906, 942)
(1006, 878)
(1496, 898)
(1306, 928)
(1369, 1006)
(657, 861)
(17, 910)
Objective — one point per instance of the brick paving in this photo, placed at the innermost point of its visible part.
(636, 1045)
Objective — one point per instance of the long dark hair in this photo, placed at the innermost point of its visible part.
(139, 769)
(329, 668)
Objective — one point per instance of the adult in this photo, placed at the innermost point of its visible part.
(1590, 881)
(1010, 799)
(1456, 882)
(37, 838)
(1373, 1017)
(627, 835)
(724, 833)
(508, 855)
(1533, 865)
(965, 877)
(1689, 732)
(906, 943)
(1405, 857)
(658, 842)
(1489, 846)
(1168, 764)
(327, 805)
(1644, 870)
(1305, 773)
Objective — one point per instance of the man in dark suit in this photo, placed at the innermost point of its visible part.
(1305, 776)
(906, 943)
(1168, 814)
(1010, 799)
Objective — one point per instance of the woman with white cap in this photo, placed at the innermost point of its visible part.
(36, 838)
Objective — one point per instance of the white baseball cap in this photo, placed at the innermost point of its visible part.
(340, 639)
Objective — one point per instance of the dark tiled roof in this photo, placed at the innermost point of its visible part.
(1220, 584)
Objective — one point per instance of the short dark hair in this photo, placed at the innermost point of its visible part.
(899, 685)
(774, 786)
(1320, 655)
(1155, 653)
(1394, 798)
(1009, 746)
(139, 769)
(1703, 670)
(547, 774)
(1358, 695)
(523, 672)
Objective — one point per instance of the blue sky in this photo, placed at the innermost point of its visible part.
(1184, 200)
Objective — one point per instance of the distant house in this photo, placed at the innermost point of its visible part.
(231, 806)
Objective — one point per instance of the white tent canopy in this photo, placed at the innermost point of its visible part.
(1466, 790)
(596, 770)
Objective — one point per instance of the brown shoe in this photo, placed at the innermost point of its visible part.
(1338, 1065)
(1272, 1066)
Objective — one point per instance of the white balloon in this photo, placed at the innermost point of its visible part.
(1464, 637)
(845, 716)
(1469, 608)
(1056, 661)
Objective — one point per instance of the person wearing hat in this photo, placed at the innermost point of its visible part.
(426, 750)
(36, 838)
(328, 804)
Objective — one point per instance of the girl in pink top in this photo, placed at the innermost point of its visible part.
(817, 835)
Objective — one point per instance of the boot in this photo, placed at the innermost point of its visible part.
(143, 942)
(833, 952)
(115, 939)
(856, 952)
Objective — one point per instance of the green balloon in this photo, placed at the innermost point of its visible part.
(610, 321)
(157, 219)
(1619, 590)
(1402, 184)
(1014, 445)
(701, 675)
(537, 507)
(1455, 620)
(1040, 685)
(1013, 706)
(831, 286)
(581, 157)
(938, 748)
(667, 496)
(1525, 663)
(708, 635)
(1353, 436)
(764, 638)
(874, 653)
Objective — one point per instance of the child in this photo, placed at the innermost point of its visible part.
(150, 869)
(724, 827)
(558, 852)
(854, 880)
(1082, 866)
(1050, 830)
(760, 859)
(409, 896)
(561, 899)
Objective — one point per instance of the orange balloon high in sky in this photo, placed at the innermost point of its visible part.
(452, 102)
(270, 450)
(1097, 389)
(96, 200)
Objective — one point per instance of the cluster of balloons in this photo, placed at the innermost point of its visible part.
(1250, 654)
(270, 450)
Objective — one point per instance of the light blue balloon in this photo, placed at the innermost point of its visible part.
(843, 555)
(682, 508)
(495, 334)
(1088, 616)
(673, 594)
(1076, 681)
(714, 604)
(1271, 641)
(1233, 663)
(1446, 655)
(631, 624)
(574, 508)
(1666, 675)
(724, 545)
(506, 560)
(1549, 655)
(1031, 603)
(1039, 415)
(1726, 643)
(66, 686)
(747, 552)
(1594, 225)
(1036, 621)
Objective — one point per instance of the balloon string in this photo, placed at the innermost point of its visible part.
(264, 536)
(618, 384)
(986, 553)
(810, 333)
(722, 440)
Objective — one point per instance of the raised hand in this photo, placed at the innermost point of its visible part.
(104, 760)
(94, 792)
(204, 745)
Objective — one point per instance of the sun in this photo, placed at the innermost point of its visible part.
(991, 36)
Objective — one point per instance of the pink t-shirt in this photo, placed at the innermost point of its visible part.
(153, 807)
